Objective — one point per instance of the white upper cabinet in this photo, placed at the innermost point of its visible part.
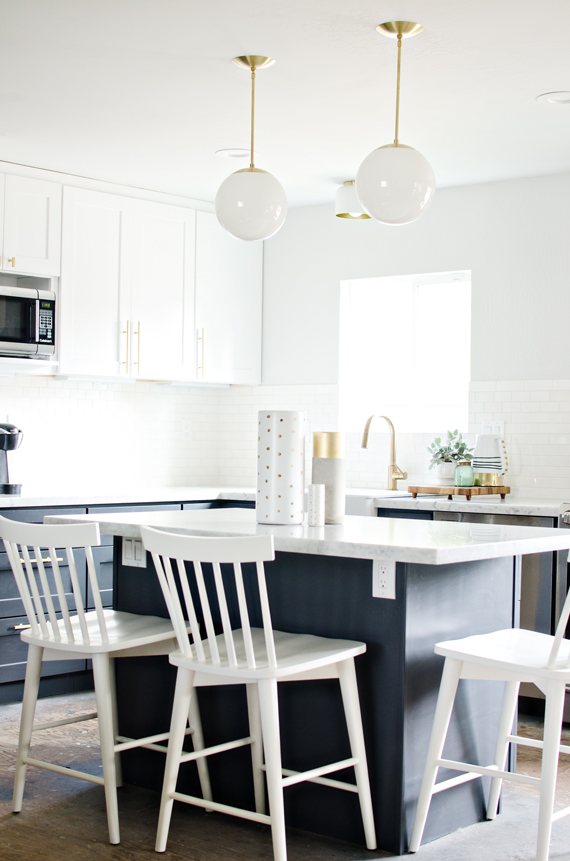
(156, 292)
(228, 304)
(32, 226)
(95, 283)
(162, 298)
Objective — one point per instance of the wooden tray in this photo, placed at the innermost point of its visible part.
(460, 491)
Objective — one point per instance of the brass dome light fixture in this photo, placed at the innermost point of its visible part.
(251, 204)
(395, 183)
(347, 204)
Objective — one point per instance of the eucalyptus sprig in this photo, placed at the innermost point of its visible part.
(452, 449)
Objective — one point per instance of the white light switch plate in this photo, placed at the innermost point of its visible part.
(384, 579)
(497, 428)
(134, 554)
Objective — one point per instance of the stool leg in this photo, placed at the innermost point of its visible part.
(102, 680)
(113, 689)
(555, 693)
(31, 686)
(180, 712)
(349, 690)
(444, 707)
(198, 743)
(256, 746)
(269, 707)
(510, 698)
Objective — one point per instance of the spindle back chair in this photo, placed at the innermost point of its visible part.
(511, 656)
(60, 628)
(256, 656)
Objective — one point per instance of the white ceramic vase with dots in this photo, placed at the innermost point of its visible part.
(280, 466)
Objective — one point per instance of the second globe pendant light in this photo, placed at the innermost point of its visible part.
(251, 204)
(395, 183)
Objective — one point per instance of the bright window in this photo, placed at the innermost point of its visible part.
(405, 351)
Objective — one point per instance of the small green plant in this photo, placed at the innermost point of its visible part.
(452, 449)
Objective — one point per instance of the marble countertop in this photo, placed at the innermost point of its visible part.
(482, 505)
(37, 499)
(360, 500)
(389, 539)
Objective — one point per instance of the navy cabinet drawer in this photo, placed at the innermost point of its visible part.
(10, 601)
(14, 653)
(35, 515)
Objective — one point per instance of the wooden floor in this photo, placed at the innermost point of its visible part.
(64, 819)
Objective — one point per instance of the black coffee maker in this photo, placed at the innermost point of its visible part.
(10, 438)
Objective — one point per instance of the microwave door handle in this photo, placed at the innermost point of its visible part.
(37, 321)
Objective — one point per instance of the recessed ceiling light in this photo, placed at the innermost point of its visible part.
(562, 97)
(234, 152)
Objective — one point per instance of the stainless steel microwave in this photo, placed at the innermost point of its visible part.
(27, 322)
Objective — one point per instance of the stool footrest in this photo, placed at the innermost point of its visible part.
(125, 743)
(217, 748)
(536, 742)
(64, 721)
(560, 814)
(487, 771)
(454, 781)
(61, 769)
(324, 781)
(300, 776)
(222, 808)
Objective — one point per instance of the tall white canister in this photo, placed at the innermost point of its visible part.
(280, 466)
(329, 452)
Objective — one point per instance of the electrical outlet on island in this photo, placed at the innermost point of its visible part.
(384, 579)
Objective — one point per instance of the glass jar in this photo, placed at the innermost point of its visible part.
(464, 474)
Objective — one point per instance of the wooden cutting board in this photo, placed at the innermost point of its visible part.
(468, 492)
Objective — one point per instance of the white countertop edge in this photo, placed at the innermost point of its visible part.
(323, 541)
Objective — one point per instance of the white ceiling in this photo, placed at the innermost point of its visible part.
(142, 92)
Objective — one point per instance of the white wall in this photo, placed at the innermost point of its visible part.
(513, 235)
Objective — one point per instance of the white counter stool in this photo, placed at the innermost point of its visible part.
(511, 656)
(256, 657)
(100, 635)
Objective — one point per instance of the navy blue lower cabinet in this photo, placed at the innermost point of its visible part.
(405, 514)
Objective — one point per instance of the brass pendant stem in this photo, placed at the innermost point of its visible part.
(396, 142)
(251, 165)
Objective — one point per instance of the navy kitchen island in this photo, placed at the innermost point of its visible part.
(452, 580)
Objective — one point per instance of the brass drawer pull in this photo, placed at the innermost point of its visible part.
(20, 627)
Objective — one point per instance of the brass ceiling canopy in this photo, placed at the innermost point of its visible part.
(253, 61)
(398, 29)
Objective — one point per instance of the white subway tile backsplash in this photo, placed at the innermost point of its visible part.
(90, 435)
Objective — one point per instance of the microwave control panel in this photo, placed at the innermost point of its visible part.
(46, 317)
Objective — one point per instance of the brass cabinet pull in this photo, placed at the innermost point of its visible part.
(201, 338)
(126, 332)
(47, 559)
(12, 260)
(20, 627)
(138, 334)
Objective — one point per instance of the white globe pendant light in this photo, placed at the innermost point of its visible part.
(396, 183)
(251, 204)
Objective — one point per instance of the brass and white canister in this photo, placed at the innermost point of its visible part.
(280, 466)
(329, 452)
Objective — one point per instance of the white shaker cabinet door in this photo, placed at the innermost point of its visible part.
(95, 337)
(228, 304)
(162, 305)
(32, 226)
